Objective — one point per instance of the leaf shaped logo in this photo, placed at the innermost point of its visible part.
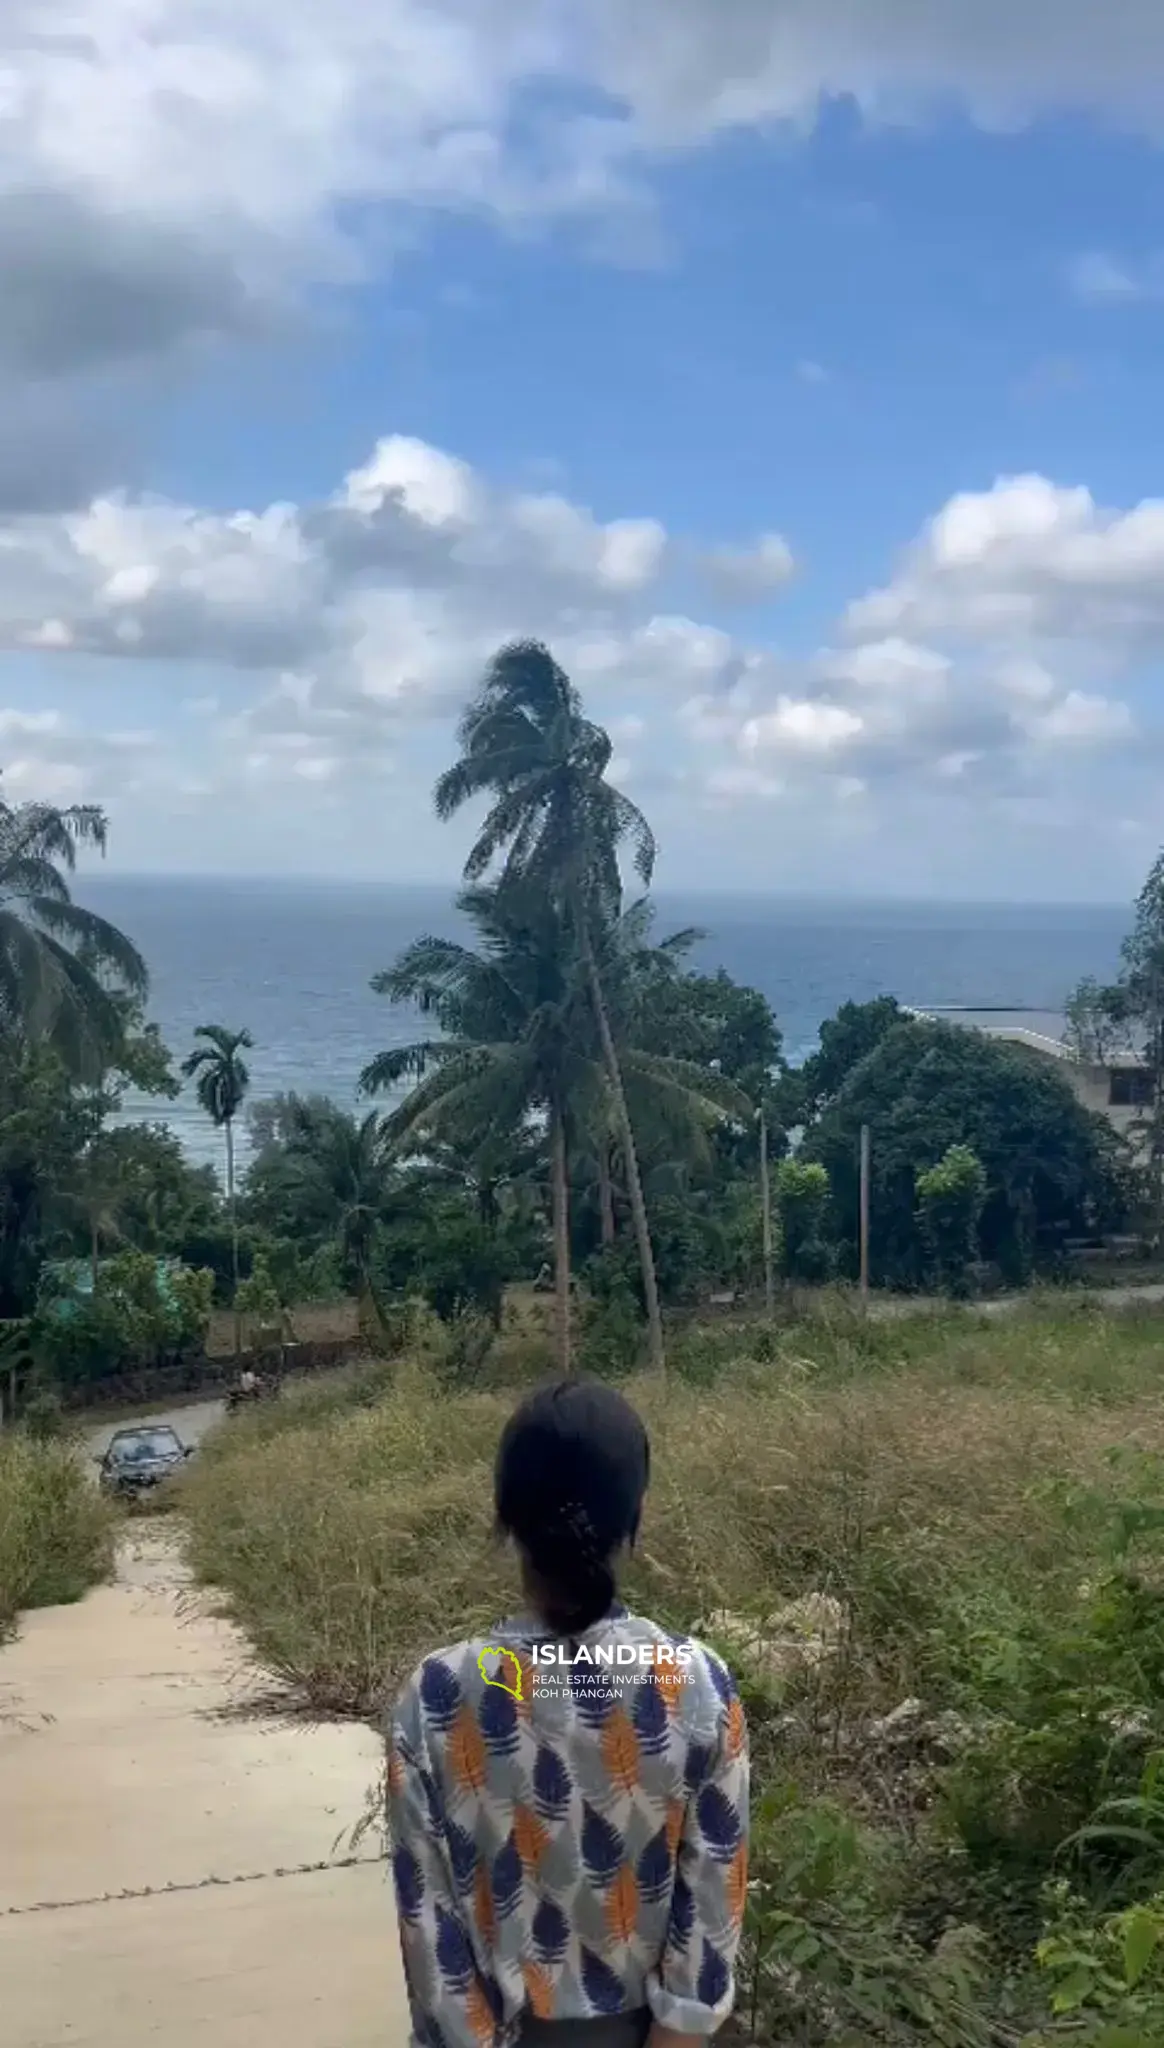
(494, 1650)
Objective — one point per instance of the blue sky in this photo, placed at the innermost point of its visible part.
(798, 380)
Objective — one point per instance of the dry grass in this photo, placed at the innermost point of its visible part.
(56, 1533)
(905, 1469)
(315, 1322)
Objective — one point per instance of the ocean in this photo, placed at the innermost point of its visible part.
(291, 963)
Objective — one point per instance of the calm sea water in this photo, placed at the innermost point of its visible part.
(291, 963)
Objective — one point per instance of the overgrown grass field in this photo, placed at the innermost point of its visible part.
(981, 1506)
(56, 1533)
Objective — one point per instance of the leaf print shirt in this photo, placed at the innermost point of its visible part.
(572, 1846)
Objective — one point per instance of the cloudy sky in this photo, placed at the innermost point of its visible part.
(793, 366)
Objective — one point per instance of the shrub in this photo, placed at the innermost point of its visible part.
(803, 1198)
(950, 1199)
(56, 1533)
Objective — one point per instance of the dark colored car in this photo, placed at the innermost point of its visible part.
(139, 1459)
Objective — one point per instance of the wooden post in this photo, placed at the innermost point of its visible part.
(864, 1244)
(766, 1201)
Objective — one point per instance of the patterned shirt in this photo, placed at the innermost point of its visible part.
(572, 1841)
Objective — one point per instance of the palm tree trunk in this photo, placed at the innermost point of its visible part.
(560, 1211)
(605, 1194)
(233, 1231)
(634, 1183)
(94, 1252)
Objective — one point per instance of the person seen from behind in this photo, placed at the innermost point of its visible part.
(568, 1799)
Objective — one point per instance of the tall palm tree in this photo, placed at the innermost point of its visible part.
(221, 1079)
(512, 1045)
(556, 823)
(65, 973)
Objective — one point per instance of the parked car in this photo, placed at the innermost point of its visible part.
(138, 1459)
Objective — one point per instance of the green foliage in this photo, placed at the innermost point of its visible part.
(1051, 1166)
(828, 1958)
(141, 1312)
(950, 1199)
(56, 1533)
(845, 1040)
(69, 980)
(259, 1304)
(1105, 1977)
(802, 1193)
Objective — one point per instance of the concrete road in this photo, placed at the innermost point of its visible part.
(190, 1424)
(174, 1868)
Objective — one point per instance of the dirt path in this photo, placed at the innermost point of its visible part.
(172, 1870)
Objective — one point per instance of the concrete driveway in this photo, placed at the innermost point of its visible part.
(175, 1871)
(189, 1423)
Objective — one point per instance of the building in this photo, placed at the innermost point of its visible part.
(1120, 1089)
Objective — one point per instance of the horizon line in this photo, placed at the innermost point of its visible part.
(442, 885)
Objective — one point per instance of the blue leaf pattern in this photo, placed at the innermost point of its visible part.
(602, 1847)
(550, 1931)
(654, 1872)
(507, 1878)
(409, 1881)
(714, 1976)
(462, 1855)
(440, 1693)
(552, 1784)
(719, 1823)
(498, 1720)
(604, 1990)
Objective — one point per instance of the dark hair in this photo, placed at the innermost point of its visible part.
(572, 1469)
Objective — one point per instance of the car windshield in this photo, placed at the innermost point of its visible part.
(143, 1446)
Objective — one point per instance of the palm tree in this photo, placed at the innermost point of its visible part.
(512, 1046)
(65, 973)
(559, 825)
(340, 1186)
(221, 1080)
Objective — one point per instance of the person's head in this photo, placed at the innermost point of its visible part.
(572, 1469)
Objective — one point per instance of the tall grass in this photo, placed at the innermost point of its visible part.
(56, 1533)
(912, 1470)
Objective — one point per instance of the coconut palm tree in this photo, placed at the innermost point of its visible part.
(65, 973)
(512, 1046)
(555, 823)
(339, 1183)
(518, 1040)
(221, 1079)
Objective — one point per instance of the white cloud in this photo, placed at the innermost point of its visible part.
(1080, 718)
(321, 639)
(1027, 560)
(1115, 280)
(801, 726)
(745, 575)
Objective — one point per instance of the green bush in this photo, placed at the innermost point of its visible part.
(803, 1206)
(56, 1533)
(141, 1312)
(951, 1197)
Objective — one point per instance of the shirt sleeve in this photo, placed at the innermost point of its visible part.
(693, 1990)
(452, 2003)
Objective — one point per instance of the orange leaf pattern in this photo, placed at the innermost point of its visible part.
(622, 1905)
(468, 1762)
(620, 1750)
(530, 1836)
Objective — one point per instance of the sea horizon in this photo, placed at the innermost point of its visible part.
(292, 960)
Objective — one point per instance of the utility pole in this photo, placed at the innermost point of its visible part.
(766, 1203)
(864, 1224)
